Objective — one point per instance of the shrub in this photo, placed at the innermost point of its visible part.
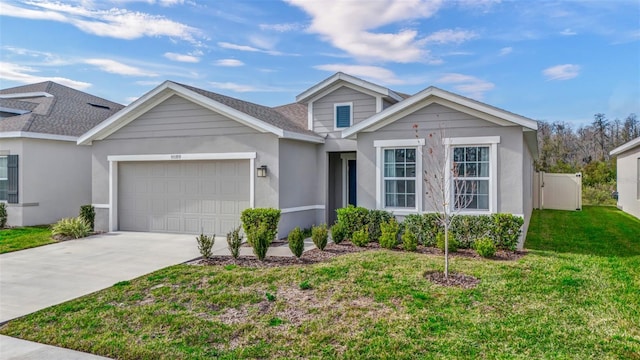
(485, 247)
(338, 232)
(468, 228)
(296, 242)
(234, 240)
(374, 219)
(71, 227)
(425, 227)
(506, 230)
(352, 218)
(389, 230)
(360, 237)
(409, 241)
(320, 234)
(254, 219)
(453, 243)
(205, 243)
(261, 241)
(598, 194)
(3, 215)
(88, 213)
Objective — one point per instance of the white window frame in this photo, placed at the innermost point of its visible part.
(492, 142)
(7, 178)
(382, 145)
(335, 115)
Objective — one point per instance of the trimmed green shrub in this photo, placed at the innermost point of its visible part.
(338, 232)
(425, 227)
(205, 243)
(88, 213)
(262, 238)
(352, 218)
(506, 230)
(453, 243)
(296, 242)
(360, 237)
(409, 241)
(253, 219)
(320, 235)
(374, 219)
(485, 247)
(389, 230)
(71, 227)
(468, 228)
(3, 215)
(234, 240)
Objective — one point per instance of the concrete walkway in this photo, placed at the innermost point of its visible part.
(17, 349)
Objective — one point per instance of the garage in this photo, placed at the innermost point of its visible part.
(185, 196)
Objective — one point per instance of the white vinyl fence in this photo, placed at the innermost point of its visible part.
(557, 191)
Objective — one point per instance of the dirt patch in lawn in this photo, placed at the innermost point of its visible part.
(453, 280)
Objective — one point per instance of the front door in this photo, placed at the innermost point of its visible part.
(351, 183)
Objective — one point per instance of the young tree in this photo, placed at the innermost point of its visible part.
(446, 195)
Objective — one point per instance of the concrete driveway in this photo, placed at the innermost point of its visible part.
(37, 278)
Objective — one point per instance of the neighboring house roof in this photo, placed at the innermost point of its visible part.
(626, 146)
(51, 110)
(338, 79)
(258, 117)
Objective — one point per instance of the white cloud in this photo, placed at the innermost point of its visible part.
(505, 51)
(232, 46)
(115, 67)
(568, 32)
(349, 26)
(286, 27)
(466, 84)
(562, 72)
(373, 73)
(450, 36)
(229, 62)
(26, 75)
(241, 88)
(182, 57)
(114, 22)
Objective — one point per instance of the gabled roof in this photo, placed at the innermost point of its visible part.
(50, 110)
(342, 78)
(258, 117)
(435, 95)
(295, 111)
(626, 146)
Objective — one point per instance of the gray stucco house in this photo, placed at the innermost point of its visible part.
(628, 177)
(182, 159)
(44, 175)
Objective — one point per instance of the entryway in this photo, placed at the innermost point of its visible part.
(342, 182)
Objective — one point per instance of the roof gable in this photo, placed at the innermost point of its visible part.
(341, 79)
(626, 147)
(435, 95)
(258, 117)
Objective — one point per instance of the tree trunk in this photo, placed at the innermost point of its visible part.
(446, 252)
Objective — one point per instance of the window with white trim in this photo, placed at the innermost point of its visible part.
(343, 115)
(4, 177)
(471, 177)
(399, 178)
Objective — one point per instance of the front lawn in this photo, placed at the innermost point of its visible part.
(24, 237)
(576, 295)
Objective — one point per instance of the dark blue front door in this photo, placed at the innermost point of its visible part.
(352, 182)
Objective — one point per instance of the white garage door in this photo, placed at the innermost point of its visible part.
(182, 196)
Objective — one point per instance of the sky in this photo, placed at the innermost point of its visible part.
(546, 60)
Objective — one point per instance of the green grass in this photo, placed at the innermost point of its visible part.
(24, 237)
(576, 295)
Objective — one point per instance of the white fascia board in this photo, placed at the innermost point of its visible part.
(179, 157)
(473, 140)
(33, 135)
(626, 146)
(26, 95)
(302, 137)
(399, 143)
(435, 95)
(320, 88)
(14, 111)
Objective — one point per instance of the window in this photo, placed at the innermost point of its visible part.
(471, 177)
(400, 178)
(343, 115)
(398, 182)
(4, 178)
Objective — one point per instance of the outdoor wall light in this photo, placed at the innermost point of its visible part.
(262, 171)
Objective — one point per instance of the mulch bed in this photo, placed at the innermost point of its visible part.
(453, 280)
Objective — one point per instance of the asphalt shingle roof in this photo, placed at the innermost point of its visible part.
(68, 112)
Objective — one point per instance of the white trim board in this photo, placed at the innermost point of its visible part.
(34, 135)
(301, 208)
(178, 157)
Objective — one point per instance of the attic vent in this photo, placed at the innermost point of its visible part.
(100, 106)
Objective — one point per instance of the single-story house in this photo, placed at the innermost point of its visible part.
(183, 159)
(628, 177)
(44, 175)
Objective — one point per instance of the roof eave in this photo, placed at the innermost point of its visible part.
(625, 147)
(318, 88)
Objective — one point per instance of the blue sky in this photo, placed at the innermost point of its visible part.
(547, 60)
